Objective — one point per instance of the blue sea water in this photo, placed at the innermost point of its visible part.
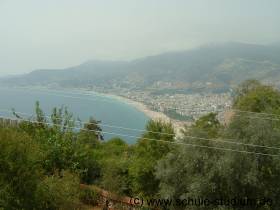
(109, 110)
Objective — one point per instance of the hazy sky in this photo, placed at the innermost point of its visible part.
(60, 33)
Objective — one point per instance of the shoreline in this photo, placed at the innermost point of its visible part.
(153, 115)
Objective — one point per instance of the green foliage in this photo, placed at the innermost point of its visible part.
(89, 196)
(207, 126)
(24, 184)
(65, 148)
(20, 170)
(175, 115)
(254, 97)
(246, 87)
(187, 171)
(35, 157)
(148, 150)
(192, 172)
(91, 133)
(115, 161)
(58, 192)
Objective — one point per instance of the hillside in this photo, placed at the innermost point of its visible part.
(214, 66)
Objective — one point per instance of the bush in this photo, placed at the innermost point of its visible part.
(89, 196)
(56, 192)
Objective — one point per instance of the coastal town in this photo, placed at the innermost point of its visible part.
(189, 106)
(178, 107)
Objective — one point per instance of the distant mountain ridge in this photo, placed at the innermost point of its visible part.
(219, 65)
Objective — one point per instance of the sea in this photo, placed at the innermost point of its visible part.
(118, 118)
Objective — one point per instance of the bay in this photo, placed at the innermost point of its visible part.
(111, 111)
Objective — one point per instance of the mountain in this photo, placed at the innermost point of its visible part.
(215, 66)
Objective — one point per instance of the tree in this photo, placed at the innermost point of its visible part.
(91, 133)
(187, 171)
(149, 149)
(258, 98)
(56, 192)
(20, 170)
(192, 172)
(62, 120)
(246, 87)
(208, 126)
(65, 148)
(24, 183)
(115, 160)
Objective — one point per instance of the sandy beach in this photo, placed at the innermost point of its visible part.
(178, 125)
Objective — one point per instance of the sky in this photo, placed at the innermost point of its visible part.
(36, 34)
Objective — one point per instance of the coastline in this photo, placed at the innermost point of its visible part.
(154, 115)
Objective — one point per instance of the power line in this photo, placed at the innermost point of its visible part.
(260, 113)
(216, 140)
(261, 118)
(150, 139)
(228, 141)
(253, 117)
(90, 123)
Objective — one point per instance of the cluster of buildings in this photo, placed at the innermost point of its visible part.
(189, 105)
